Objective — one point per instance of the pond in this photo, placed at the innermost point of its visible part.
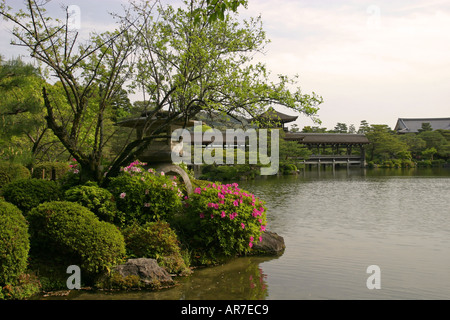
(335, 225)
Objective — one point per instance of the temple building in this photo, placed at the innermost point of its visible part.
(413, 125)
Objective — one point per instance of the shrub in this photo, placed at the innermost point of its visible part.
(29, 193)
(14, 244)
(424, 164)
(98, 200)
(145, 195)
(44, 170)
(11, 171)
(67, 231)
(222, 221)
(155, 240)
(27, 285)
(221, 173)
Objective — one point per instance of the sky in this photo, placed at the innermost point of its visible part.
(369, 60)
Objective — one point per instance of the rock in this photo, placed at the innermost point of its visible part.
(271, 244)
(151, 275)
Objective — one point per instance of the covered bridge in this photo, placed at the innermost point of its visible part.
(332, 148)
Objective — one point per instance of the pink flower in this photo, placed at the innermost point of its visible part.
(202, 215)
(235, 203)
(251, 238)
(146, 205)
(243, 226)
(212, 216)
(263, 228)
(123, 195)
(260, 238)
(250, 244)
(198, 190)
(162, 173)
(223, 214)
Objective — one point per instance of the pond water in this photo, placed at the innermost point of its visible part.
(335, 225)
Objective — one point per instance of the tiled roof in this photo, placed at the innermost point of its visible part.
(408, 125)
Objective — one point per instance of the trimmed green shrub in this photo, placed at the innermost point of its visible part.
(67, 231)
(221, 221)
(44, 170)
(27, 285)
(145, 195)
(11, 172)
(98, 200)
(155, 240)
(29, 193)
(14, 244)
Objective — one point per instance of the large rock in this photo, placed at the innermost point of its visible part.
(151, 275)
(271, 244)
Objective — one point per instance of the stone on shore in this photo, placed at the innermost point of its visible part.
(147, 271)
(271, 244)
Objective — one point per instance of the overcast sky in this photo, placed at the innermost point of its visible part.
(369, 60)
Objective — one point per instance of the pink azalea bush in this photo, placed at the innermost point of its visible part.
(145, 195)
(223, 220)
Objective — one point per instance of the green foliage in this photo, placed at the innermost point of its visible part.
(27, 285)
(429, 153)
(229, 172)
(98, 200)
(14, 244)
(221, 221)
(158, 241)
(29, 193)
(44, 170)
(385, 145)
(67, 231)
(11, 171)
(145, 195)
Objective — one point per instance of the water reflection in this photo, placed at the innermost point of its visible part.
(241, 279)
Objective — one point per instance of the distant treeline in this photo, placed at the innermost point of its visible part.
(388, 148)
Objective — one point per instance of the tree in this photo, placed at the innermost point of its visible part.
(363, 127)
(415, 144)
(217, 9)
(185, 67)
(295, 128)
(426, 126)
(340, 128)
(182, 63)
(352, 129)
(90, 76)
(385, 145)
(23, 127)
(313, 129)
(429, 153)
